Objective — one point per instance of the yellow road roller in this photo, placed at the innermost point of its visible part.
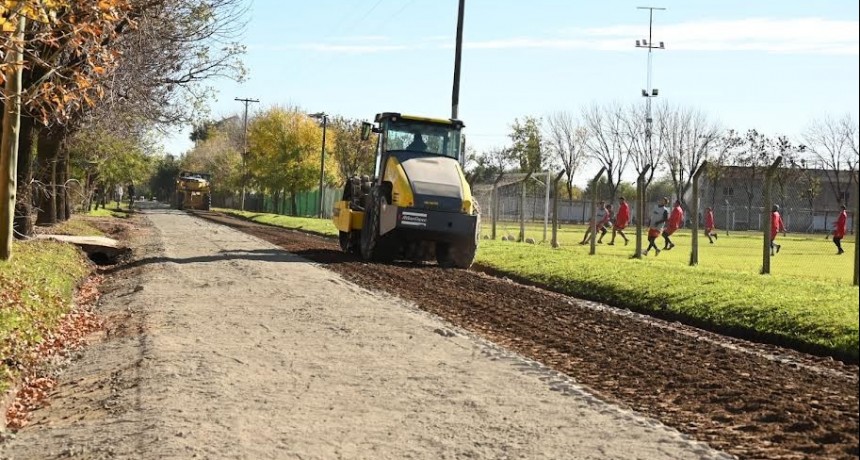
(418, 205)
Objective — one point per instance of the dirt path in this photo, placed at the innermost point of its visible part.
(755, 401)
(220, 345)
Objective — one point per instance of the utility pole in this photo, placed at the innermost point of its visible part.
(458, 52)
(324, 117)
(245, 148)
(648, 93)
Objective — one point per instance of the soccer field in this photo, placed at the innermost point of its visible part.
(808, 256)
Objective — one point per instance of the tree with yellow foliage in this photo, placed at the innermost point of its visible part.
(285, 153)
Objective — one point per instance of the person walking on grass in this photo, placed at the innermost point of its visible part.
(601, 224)
(709, 225)
(776, 226)
(839, 230)
(621, 221)
(658, 220)
(605, 222)
(676, 220)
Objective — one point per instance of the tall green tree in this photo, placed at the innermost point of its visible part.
(527, 149)
(354, 156)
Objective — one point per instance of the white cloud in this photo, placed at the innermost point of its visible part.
(360, 38)
(334, 48)
(786, 36)
(799, 35)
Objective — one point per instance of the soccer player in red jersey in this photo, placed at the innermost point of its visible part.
(676, 220)
(621, 221)
(709, 225)
(839, 230)
(776, 226)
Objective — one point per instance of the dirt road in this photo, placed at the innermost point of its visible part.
(752, 400)
(221, 345)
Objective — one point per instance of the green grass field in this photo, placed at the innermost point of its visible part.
(808, 302)
(805, 256)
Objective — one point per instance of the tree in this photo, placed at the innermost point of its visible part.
(830, 140)
(54, 61)
(162, 182)
(641, 153)
(724, 151)
(354, 155)
(756, 156)
(791, 173)
(487, 165)
(567, 139)
(687, 136)
(285, 152)
(108, 157)
(606, 143)
(526, 144)
(220, 155)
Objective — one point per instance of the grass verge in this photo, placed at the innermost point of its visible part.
(322, 227)
(121, 212)
(799, 308)
(38, 286)
(811, 315)
(77, 226)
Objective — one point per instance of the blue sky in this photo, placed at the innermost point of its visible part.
(770, 65)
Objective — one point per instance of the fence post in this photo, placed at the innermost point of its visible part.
(494, 205)
(546, 203)
(555, 209)
(522, 237)
(856, 227)
(694, 251)
(768, 205)
(640, 210)
(593, 243)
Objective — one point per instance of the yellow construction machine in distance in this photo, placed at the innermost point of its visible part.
(193, 191)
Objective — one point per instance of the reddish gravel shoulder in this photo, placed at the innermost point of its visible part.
(751, 400)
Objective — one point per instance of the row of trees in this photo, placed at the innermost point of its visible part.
(87, 82)
(284, 148)
(616, 137)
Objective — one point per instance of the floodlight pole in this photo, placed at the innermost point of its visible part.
(246, 101)
(649, 92)
(324, 117)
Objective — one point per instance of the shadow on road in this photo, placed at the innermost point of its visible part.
(260, 255)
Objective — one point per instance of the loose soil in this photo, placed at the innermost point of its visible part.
(751, 400)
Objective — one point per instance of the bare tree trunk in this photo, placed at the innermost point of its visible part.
(63, 201)
(294, 203)
(24, 221)
(48, 155)
(10, 137)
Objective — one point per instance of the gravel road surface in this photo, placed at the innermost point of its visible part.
(221, 345)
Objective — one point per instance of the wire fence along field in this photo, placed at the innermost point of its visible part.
(733, 220)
